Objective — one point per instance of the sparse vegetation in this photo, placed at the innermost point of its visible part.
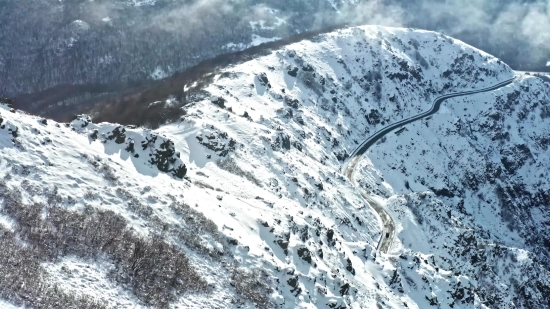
(105, 169)
(156, 271)
(195, 225)
(23, 281)
(129, 102)
(231, 166)
(253, 285)
(144, 211)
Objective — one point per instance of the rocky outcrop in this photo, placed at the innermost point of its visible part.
(156, 151)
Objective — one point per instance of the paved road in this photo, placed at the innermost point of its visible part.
(388, 231)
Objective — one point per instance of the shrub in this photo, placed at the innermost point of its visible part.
(195, 225)
(253, 285)
(105, 169)
(22, 278)
(202, 184)
(231, 166)
(155, 270)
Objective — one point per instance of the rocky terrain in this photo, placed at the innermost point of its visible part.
(472, 183)
(242, 201)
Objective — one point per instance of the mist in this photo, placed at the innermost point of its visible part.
(48, 43)
(516, 30)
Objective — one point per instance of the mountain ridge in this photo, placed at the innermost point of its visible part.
(263, 205)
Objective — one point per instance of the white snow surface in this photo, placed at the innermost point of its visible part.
(90, 278)
(160, 73)
(308, 105)
(6, 305)
(255, 41)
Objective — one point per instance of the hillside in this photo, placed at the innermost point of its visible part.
(243, 203)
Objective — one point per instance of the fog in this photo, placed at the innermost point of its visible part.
(517, 30)
(51, 42)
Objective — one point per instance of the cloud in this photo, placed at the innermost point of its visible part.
(190, 16)
(375, 12)
(514, 26)
(96, 11)
(511, 25)
(536, 24)
(507, 20)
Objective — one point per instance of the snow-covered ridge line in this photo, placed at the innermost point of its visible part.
(40, 102)
(299, 109)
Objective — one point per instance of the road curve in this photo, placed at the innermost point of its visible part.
(388, 231)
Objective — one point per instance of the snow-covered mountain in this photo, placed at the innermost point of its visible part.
(243, 202)
(61, 55)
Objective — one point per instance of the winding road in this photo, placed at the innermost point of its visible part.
(388, 231)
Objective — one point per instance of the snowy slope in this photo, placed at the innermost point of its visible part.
(263, 205)
(486, 158)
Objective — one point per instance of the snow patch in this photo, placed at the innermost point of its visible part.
(7, 223)
(74, 275)
(257, 40)
(6, 305)
(160, 73)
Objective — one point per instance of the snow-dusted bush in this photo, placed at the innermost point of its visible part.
(231, 166)
(202, 184)
(105, 169)
(22, 278)
(195, 229)
(156, 271)
(253, 285)
(144, 211)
